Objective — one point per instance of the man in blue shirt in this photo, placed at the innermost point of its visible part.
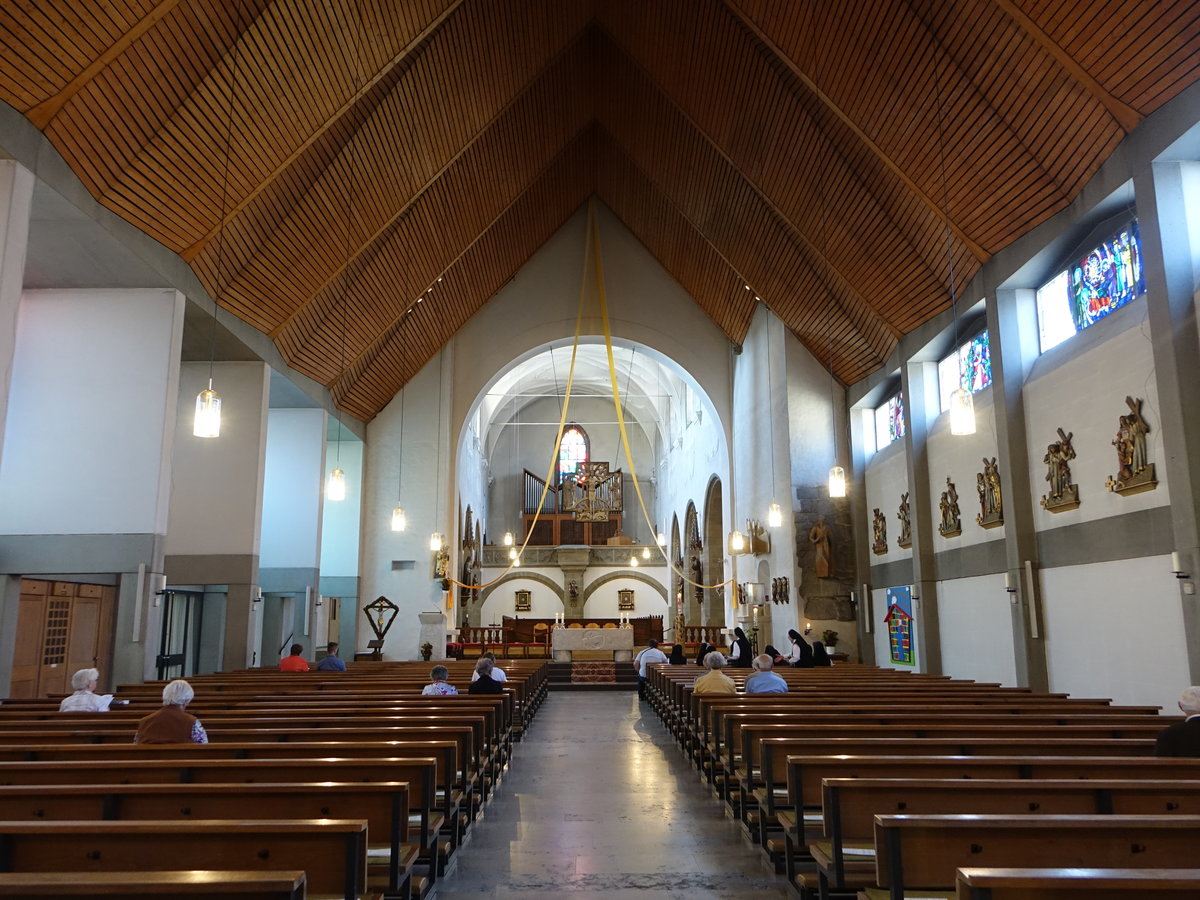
(764, 681)
(332, 663)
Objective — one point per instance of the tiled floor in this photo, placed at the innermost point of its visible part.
(600, 802)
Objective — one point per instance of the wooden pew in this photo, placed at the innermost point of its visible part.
(383, 806)
(1077, 884)
(331, 852)
(195, 884)
(845, 857)
(923, 852)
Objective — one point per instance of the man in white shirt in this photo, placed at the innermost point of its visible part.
(644, 660)
(497, 672)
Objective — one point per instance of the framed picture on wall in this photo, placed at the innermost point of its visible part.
(624, 600)
(524, 601)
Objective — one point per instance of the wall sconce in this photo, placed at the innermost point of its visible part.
(1010, 582)
(807, 628)
(320, 600)
(1177, 566)
(257, 596)
(737, 543)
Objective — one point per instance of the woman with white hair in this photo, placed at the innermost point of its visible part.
(171, 725)
(85, 698)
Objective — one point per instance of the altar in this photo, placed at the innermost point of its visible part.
(564, 641)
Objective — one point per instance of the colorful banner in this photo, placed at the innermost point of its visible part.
(899, 620)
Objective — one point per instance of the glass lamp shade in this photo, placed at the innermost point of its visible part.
(737, 542)
(508, 539)
(660, 539)
(516, 562)
(837, 482)
(774, 516)
(633, 561)
(962, 412)
(645, 553)
(435, 541)
(335, 487)
(207, 423)
(399, 519)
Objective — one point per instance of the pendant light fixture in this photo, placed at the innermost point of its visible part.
(399, 519)
(837, 475)
(962, 404)
(207, 420)
(645, 553)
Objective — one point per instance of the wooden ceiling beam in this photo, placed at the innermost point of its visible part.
(198, 247)
(1125, 115)
(386, 332)
(404, 210)
(976, 249)
(42, 114)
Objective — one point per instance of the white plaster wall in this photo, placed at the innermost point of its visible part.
(813, 401)
(1115, 629)
(959, 457)
(1083, 390)
(886, 478)
(502, 601)
(91, 412)
(646, 601)
(423, 494)
(975, 626)
(217, 483)
(293, 488)
(340, 520)
(473, 475)
(16, 199)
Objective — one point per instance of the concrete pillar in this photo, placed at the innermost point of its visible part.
(573, 562)
(1166, 193)
(921, 405)
(16, 199)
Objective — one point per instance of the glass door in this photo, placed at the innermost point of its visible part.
(180, 634)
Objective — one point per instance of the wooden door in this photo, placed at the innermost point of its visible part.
(61, 627)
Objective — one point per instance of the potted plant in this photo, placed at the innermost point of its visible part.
(426, 651)
(830, 638)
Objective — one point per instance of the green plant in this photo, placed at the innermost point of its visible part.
(426, 651)
(829, 637)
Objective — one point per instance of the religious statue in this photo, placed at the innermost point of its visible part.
(573, 590)
(987, 483)
(441, 564)
(904, 515)
(819, 536)
(698, 578)
(1135, 473)
(951, 523)
(879, 530)
(1063, 494)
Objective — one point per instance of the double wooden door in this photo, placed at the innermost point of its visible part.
(62, 627)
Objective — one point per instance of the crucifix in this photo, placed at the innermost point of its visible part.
(593, 493)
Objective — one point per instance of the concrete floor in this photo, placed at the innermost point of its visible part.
(599, 801)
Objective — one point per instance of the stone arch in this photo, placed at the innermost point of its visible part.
(626, 575)
(714, 558)
(522, 576)
(692, 547)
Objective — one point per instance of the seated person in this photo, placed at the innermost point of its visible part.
(705, 649)
(497, 672)
(295, 662)
(438, 674)
(171, 725)
(1182, 738)
(820, 656)
(85, 698)
(677, 658)
(332, 662)
(800, 656)
(764, 681)
(740, 654)
(714, 681)
(642, 662)
(485, 683)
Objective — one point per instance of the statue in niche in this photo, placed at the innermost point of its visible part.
(1135, 473)
(698, 578)
(904, 515)
(1063, 495)
(951, 524)
(819, 536)
(987, 483)
(879, 531)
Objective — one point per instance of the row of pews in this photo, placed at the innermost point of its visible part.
(886, 784)
(321, 784)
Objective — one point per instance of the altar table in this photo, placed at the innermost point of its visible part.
(563, 641)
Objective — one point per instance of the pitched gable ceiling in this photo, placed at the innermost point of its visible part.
(388, 165)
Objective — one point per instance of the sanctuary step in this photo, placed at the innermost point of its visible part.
(591, 676)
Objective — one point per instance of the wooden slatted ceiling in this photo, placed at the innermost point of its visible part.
(725, 130)
(478, 273)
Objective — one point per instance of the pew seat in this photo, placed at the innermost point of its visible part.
(1077, 884)
(194, 884)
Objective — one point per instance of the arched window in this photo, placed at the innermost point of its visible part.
(572, 451)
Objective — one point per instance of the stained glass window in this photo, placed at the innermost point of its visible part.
(572, 451)
(970, 367)
(889, 422)
(1104, 280)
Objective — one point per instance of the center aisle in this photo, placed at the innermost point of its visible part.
(599, 800)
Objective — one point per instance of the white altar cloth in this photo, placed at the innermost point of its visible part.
(563, 641)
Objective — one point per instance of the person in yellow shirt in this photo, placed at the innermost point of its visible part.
(714, 681)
